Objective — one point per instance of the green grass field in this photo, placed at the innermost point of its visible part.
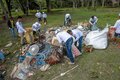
(98, 65)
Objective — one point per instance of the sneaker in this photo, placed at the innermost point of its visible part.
(70, 63)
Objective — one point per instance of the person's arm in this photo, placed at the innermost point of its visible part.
(76, 37)
(116, 24)
(59, 40)
(33, 28)
(90, 21)
(96, 19)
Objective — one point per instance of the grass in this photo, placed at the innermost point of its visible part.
(98, 65)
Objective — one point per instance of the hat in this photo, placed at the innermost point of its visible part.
(57, 31)
(80, 27)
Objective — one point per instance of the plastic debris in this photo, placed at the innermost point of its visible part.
(9, 44)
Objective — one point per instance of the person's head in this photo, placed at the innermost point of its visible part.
(19, 18)
(70, 32)
(11, 18)
(92, 17)
(37, 10)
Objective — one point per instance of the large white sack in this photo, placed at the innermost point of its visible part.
(98, 39)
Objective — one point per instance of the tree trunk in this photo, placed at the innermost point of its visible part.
(82, 3)
(4, 10)
(88, 4)
(8, 2)
(118, 2)
(61, 3)
(93, 3)
(27, 10)
(73, 3)
(48, 5)
(103, 3)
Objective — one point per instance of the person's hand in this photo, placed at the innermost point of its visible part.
(61, 46)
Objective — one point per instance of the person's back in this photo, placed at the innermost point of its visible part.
(36, 26)
(38, 15)
(117, 26)
(63, 36)
(44, 16)
(77, 33)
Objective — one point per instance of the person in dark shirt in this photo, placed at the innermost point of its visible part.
(11, 26)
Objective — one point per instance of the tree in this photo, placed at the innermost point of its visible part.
(24, 5)
(93, 3)
(103, 3)
(4, 10)
(48, 5)
(8, 4)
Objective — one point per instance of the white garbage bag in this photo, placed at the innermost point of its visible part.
(98, 39)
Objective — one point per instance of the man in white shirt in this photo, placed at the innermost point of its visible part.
(20, 29)
(78, 37)
(64, 37)
(93, 21)
(44, 16)
(38, 15)
(67, 21)
(117, 27)
(36, 28)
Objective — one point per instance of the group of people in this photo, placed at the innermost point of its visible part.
(41, 16)
(18, 26)
(92, 21)
(76, 36)
(70, 37)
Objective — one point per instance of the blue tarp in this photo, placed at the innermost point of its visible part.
(2, 57)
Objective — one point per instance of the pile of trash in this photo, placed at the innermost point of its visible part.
(46, 51)
(36, 56)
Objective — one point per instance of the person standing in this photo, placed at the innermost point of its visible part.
(39, 16)
(65, 38)
(20, 29)
(93, 22)
(44, 16)
(11, 26)
(67, 21)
